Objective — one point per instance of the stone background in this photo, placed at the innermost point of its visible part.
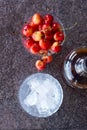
(16, 64)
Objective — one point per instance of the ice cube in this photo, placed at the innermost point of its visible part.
(31, 99)
(42, 105)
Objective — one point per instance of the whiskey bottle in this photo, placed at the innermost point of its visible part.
(75, 68)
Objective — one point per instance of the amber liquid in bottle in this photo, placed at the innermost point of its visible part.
(75, 68)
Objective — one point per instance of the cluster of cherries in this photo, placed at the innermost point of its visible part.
(43, 36)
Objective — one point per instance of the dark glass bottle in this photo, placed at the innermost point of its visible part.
(75, 68)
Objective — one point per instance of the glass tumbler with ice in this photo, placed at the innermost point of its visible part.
(40, 95)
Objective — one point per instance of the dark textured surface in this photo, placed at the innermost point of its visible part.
(16, 64)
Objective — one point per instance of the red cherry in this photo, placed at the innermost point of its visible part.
(40, 27)
(47, 59)
(48, 19)
(59, 36)
(49, 36)
(37, 19)
(46, 28)
(44, 44)
(43, 52)
(35, 48)
(34, 26)
(37, 35)
(28, 43)
(56, 47)
(40, 65)
(56, 27)
(27, 30)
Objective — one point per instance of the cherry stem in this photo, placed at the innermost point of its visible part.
(69, 28)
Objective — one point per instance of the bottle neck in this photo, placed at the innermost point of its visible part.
(81, 66)
(85, 64)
